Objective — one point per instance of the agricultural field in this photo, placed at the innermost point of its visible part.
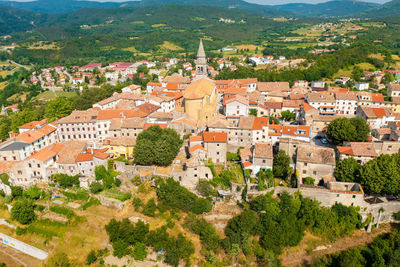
(171, 46)
(49, 95)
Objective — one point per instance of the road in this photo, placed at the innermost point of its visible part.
(19, 65)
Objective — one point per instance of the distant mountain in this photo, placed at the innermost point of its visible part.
(238, 5)
(58, 6)
(340, 8)
(389, 9)
(13, 20)
(65, 6)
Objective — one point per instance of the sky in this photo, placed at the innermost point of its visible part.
(264, 2)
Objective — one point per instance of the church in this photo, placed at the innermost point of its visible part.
(200, 97)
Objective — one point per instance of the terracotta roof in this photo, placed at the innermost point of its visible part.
(161, 115)
(358, 149)
(173, 86)
(346, 96)
(273, 86)
(211, 137)
(187, 121)
(247, 164)
(148, 108)
(176, 78)
(197, 147)
(245, 153)
(154, 84)
(34, 135)
(246, 122)
(307, 106)
(195, 138)
(238, 98)
(394, 87)
(200, 88)
(273, 105)
(70, 151)
(275, 129)
(321, 97)
(120, 96)
(78, 116)
(148, 125)
(131, 123)
(47, 153)
(6, 166)
(377, 98)
(291, 103)
(372, 112)
(260, 122)
(120, 141)
(84, 157)
(33, 124)
(263, 151)
(316, 154)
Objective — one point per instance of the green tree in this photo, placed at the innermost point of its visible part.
(287, 115)
(96, 187)
(253, 112)
(58, 108)
(281, 165)
(91, 257)
(150, 208)
(347, 170)
(23, 211)
(344, 129)
(16, 191)
(139, 251)
(205, 188)
(33, 192)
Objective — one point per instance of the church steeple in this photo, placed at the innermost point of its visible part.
(200, 52)
(201, 61)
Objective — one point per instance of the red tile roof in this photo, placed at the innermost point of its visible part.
(211, 137)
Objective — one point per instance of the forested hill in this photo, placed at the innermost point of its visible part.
(15, 20)
(340, 8)
(389, 9)
(238, 5)
(65, 6)
(58, 6)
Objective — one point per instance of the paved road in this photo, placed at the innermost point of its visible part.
(19, 65)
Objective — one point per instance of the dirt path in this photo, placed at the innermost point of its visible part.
(358, 238)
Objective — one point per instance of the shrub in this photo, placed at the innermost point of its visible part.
(150, 208)
(63, 211)
(65, 180)
(7, 199)
(96, 187)
(16, 191)
(91, 257)
(308, 180)
(139, 251)
(81, 194)
(23, 211)
(137, 203)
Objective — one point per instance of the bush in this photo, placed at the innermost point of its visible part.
(63, 211)
(33, 193)
(2, 194)
(81, 194)
(5, 179)
(23, 211)
(58, 260)
(16, 191)
(150, 208)
(137, 203)
(96, 187)
(205, 188)
(7, 199)
(21, 231)
(91, 257)
(139, 251)
(308, 181)
(65, 180)
(175, 196)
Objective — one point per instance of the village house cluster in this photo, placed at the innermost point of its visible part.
(215, 117)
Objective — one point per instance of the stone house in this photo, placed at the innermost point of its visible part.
(316, 162)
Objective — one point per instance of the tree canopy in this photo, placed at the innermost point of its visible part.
(343, 129)
(157, 146)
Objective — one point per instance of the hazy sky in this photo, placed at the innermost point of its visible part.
(265, 2)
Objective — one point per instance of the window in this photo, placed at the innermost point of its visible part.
(315, 172)
(19, 172)
(30, 165)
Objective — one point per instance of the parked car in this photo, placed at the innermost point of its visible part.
(324, 141)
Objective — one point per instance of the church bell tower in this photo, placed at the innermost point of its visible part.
(201, 62)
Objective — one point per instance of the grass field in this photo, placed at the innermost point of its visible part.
(171, 46)
(42, 45)
(347, 72)
(130, 49)
(49, 95)
(158, 25)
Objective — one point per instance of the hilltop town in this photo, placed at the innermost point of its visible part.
(231, 141)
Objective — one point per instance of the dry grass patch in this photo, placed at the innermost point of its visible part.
(171, 46)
